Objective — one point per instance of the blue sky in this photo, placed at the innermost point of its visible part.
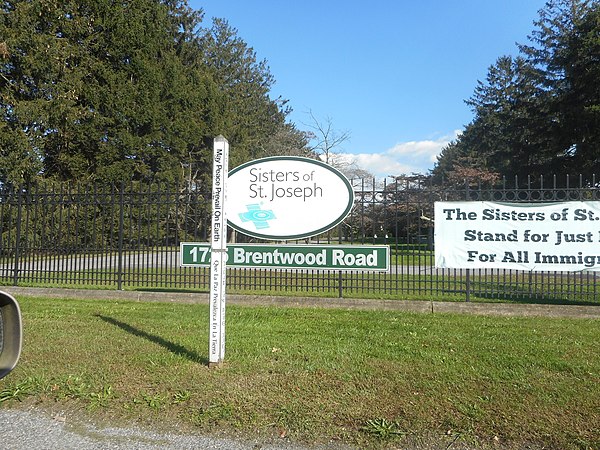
(394, 74)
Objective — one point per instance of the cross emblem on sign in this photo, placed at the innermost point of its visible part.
(258, 216)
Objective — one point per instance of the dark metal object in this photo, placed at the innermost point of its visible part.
(127, 237)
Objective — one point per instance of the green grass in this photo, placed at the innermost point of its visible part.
(574, 289)
(369, 379)
(411, 257)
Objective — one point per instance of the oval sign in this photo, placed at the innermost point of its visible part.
(287, 197)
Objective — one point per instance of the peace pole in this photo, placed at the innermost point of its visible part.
(218, 254)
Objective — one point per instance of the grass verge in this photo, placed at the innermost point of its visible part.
(367, 379)
(410, 284)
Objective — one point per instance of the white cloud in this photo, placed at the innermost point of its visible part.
(402, 158)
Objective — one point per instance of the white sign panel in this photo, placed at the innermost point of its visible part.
(218, 255)
(219, 219)
(287, 197)
(523, 236)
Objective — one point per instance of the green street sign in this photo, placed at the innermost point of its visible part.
(327, 257)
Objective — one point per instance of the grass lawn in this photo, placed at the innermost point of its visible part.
(363, 378)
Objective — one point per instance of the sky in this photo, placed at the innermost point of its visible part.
(392, 74)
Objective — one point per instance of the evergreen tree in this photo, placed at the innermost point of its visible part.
(104, 90)
(94, 89)
(579, 101)
(507, 135)
(248, 117)
(538, 113)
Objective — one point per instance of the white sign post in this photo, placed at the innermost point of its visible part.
(218, 258)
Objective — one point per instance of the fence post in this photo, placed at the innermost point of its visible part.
(120, 238)
(468, 280)
(340, 276)
(468, 288)
(18, 237)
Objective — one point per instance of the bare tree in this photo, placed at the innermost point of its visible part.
(325, 136)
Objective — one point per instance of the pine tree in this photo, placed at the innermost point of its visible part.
(103, 90)
(538, 113)
(249, 117)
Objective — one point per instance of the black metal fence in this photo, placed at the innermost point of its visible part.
(127, 237)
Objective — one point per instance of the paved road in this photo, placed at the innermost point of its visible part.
(101, 261)
(140, 260)
(34, 429)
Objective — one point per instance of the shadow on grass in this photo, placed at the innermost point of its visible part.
(177, 349)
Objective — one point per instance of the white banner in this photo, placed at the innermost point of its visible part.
(522, 236)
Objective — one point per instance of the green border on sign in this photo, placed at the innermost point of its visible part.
(327, 227)
(197, 254)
